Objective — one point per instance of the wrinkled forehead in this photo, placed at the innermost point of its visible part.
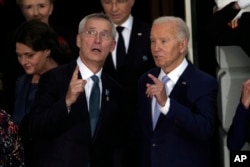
(98, 23)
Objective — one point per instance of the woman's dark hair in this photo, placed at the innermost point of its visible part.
(40, 36)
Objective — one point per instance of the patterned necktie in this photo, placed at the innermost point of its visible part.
(94, 102)
(157, 111)
(120, 49)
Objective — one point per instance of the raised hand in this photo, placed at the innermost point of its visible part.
(76, 86)
(245, 95)
(157, 90)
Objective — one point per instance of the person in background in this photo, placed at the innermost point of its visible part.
(177, 103)
(62, 123)
(40, 10)
(239, 131)
(11, 148)
(38, 51)
(224, 29)
(138, 58)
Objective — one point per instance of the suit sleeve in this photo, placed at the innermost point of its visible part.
(238, 131)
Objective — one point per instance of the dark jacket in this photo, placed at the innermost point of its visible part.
(62, 139)
(239, 131)
(182, 137)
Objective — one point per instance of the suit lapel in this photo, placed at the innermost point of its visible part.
(180, 89)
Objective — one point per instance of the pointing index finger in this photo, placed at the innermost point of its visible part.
(75, 73)
(154, 79)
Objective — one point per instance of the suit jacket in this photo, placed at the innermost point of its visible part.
(239, 131)
(24, 95)
(183, 136)
(63, 139)
(221, 34)
(138, 60)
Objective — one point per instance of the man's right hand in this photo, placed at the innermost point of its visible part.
(76, 87)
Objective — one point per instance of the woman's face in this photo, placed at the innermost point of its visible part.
(37, 10)
(33, 62)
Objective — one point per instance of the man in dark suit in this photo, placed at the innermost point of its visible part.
(175, 120)
(138, 58)
(60, 123)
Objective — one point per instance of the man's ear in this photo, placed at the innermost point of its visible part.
(51, 9)
(48, 51)
(183, 45)
(78, 41)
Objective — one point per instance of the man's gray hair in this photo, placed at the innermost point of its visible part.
(97, 16)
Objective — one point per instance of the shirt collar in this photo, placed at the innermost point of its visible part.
(85, 71)
(128, 23)
(175, 74)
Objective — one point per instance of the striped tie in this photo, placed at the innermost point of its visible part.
(157, 111)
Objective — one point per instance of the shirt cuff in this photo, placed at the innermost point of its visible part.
(69, 109)
(166, 107)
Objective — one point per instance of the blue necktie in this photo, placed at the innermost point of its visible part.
(94, 102)
(157, 111)
(120, 49)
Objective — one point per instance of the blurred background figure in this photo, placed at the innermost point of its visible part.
(228, 25)
(42, 10)
(11, 148)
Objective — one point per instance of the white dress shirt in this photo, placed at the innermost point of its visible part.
(126, 36)
(86, 74)
(173, 76)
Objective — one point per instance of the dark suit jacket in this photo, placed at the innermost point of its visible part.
(239, 131)
(62, 139)
(139, 56)
(183, 136)
(24, 95)
(221, 34)
(138, 60)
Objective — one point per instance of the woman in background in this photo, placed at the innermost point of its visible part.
(38, 51)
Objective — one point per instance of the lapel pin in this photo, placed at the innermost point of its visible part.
(184, 83)
(107, 94)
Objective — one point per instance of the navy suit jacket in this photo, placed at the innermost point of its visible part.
(239, 131)
(183, 136)
(62, 139)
